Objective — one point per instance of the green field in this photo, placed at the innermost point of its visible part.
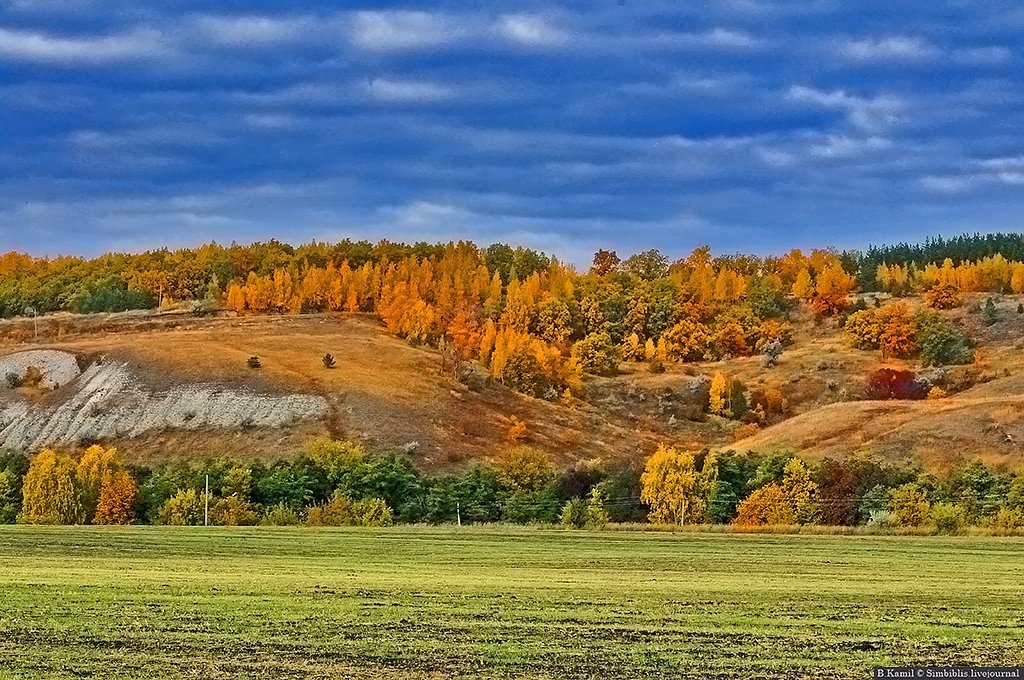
(416, 602)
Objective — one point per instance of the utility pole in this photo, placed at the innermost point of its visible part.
(206, 501)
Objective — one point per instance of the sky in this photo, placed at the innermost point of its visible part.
(748, 125)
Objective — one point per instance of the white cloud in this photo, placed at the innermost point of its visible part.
(897, 48)
(43, 48)
(407, 91)
(983, 56)
(864, 113)
(532, 30)
(948, 184)
(257, 30)
(847, 147)
(398, 30)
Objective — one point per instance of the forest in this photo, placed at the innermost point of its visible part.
(338, 483)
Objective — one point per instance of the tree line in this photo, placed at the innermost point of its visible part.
(339, 483)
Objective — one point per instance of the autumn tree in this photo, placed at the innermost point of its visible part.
(674, 489)
(794, 500)
(910, 506)
(718, 397)
(94, 468)
(49, 491)
(605, 262)
(116, 502)
(832, 287)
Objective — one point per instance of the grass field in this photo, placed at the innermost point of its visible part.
(415, 602)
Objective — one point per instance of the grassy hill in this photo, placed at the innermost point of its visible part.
(390, 395)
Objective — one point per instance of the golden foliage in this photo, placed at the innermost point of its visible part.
(49, 491)
(673, 488)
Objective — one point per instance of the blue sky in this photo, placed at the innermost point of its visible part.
(563, 125)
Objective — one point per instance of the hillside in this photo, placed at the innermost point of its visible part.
(167, 386)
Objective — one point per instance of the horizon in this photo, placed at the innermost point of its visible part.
(673, 255)
(562, 127)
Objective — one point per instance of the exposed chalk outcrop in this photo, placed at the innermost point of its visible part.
(57, 368)
(108, 402)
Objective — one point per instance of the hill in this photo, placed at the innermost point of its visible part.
(166, 386)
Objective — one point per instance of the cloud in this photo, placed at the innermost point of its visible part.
(403, 30)
(256, 30)
(982, 56)
(898, 48)
(848, 147)
(864, 113)
(531, 30)
(407, 91)
(50, 49)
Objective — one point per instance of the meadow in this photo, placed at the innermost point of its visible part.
(415, 602)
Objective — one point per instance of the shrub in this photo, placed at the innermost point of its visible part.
(329, 361)
(937, 393)
(232, 511)
(948, 518)
(891, 383)
(597, 354)
(1009, 519)
(909, 505)
(765, 506)
(942, 296)
(864, 329)
(253, 362)
(989, 313)
(343, 511)
(574, 514)
(280, 515)
(522, 372)
(656, 366)
(185, 508)
(517, 431)
(941, 343)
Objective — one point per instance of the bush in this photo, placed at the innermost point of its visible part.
(280, 516)
(522, 372)
(597, 354)
(941, 343)
(232, 512)
(891, 383)
(942, 296)
(253, 362)
(909, 505)
(185, 508)
(948, 518)
(343, 511)
(1009, 519)
(329, 361)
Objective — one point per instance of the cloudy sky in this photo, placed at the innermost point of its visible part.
(565, 125)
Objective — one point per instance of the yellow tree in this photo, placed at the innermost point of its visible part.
(96, 464)
(803, 287)
(673, 488)
(49, 491)
(718, 397)
(525, 469)
(236, 298)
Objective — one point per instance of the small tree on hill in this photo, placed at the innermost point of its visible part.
(329, 361)
(254, 362)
